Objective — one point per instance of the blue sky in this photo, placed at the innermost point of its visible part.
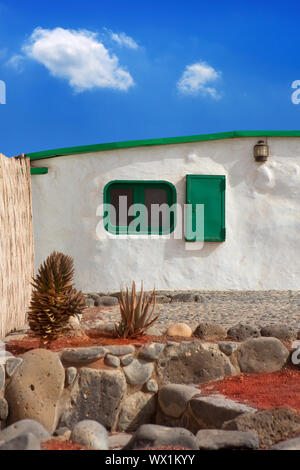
(81, 73)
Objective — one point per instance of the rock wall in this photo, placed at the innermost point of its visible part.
(123, 387)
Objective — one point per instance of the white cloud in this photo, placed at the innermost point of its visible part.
(77, 56)
(123, 40)
(196, 79)
(16, 61)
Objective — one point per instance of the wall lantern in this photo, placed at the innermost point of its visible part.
(261, 151)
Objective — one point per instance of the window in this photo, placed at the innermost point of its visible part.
(139, 207)
(208, 190)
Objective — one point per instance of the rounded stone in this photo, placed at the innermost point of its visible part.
(290, 444)
(213, 411)
(279, 331)
(120, 350)
(272, 425)
(138, 372)
(25, 426)
(173, 398)
(218, 439)
(243, 331)
(151, 351)
(90, 433)
(26, 441)
(126, 360)
(112, 361)
(193, 362)
(210, 331)
(35, 389)
(153, 435)
(82, 356)
(179, 329)
(259, 355)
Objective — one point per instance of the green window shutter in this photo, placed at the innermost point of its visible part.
(208, 190)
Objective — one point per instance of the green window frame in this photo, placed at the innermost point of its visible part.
(139, 191)
(208, 190)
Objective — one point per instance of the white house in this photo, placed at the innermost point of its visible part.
(251, 211)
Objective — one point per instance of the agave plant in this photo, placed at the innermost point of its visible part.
(54, 300)
(136, 316)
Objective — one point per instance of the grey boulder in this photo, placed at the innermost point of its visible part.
(193, 362)
(151, 351)
(290, 444)
(216, 439)
(111, 361)
(120, 350)
(271, 425)
(279, 331)
(118, 440)
(90, 433)
(214, 411)
(173, 398)
(36, 389)
(210, 331)
(82, 356)
(138, 371)
(153, 435)
(262, 355)
(25, 426)
(26, 441)
(243, 331)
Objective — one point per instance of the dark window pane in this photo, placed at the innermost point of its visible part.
(121, 206)
(155, 196)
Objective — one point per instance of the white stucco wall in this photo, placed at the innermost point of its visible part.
(262, 247)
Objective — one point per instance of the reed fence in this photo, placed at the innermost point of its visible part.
(16, 242)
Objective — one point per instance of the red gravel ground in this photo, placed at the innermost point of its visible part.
(263, 391)
(56, 444)
(92, 338)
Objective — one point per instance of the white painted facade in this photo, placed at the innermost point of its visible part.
(262, 247)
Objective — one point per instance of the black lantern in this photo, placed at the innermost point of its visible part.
(261, 151)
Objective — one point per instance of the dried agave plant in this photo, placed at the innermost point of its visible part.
(54, 300)
(136, 316)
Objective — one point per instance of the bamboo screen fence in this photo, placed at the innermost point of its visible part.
(16, 242)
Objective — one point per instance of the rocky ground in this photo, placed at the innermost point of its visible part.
(227, 308)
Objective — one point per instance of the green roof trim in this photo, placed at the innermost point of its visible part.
(38, 170)
(162, 141)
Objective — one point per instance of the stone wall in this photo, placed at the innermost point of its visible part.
(125, 386)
